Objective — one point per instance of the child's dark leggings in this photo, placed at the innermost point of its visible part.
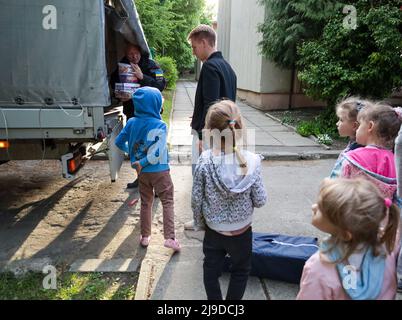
(215, 248)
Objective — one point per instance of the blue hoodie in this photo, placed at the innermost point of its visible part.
(144, 136)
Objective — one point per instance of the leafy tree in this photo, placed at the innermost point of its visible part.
(207, 15)
(157, 21)
(364, 61)
(187, 14)
(167, 23)
(288, 24)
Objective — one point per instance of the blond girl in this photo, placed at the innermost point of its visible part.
(227, 185)
(358, 260)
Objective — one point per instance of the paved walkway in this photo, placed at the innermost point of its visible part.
(272, 139)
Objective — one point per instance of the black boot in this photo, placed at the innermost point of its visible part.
(132, 185)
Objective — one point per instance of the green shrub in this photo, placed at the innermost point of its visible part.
(323, 124)
(364, 61)
(306, 128)
(168, 65)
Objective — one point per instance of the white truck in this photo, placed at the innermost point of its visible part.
(56, 58)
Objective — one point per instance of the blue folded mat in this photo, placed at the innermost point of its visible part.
(279, 257)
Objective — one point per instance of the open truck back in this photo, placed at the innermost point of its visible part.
(56, 58)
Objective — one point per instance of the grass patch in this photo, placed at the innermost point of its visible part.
(70, 286)
(167, 105)
(294, 117)
(320, 122)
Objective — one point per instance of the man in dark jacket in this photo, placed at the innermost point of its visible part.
(148, 74)
(217, 78)
(217, 81)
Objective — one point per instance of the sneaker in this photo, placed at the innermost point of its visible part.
(173, 244)
(399, 288)
(144, 241)
(132, 185)
(191, 227)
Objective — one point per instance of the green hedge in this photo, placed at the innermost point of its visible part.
(168, 65)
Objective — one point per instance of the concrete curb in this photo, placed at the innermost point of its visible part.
(104, 265)
(291, 156)
(142, 292)
(154, 262)
(152, 267)
(185, 157)
(22, 266)
(278, 120)
(171, 116)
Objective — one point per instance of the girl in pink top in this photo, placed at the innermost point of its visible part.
(378, 127)
(358, 260)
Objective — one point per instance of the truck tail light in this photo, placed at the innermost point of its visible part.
(71, 163)
(74, 163)
(4, 144)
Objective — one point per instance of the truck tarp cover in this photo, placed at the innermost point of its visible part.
(53, 50)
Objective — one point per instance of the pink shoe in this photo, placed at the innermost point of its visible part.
(144, 241)
(173, 244)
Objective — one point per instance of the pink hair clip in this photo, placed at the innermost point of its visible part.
(388, 202)
(398, 111)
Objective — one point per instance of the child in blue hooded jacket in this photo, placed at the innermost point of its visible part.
(144, 139)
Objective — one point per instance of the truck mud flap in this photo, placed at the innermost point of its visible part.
(115, 155)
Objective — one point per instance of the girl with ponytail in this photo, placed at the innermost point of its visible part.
(227, 185)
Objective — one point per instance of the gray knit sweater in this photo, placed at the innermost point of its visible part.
(222, 197)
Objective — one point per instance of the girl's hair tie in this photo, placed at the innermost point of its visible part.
(398, 111)
(388, 202)
(232, 122)
(359, 105)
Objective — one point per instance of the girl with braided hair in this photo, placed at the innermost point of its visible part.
(227, 185)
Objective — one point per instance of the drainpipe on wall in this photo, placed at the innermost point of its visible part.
(292, 82)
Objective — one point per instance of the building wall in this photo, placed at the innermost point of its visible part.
(223, 27)
(274, 79)
(259, 81)
(244, 38)
(238, 40)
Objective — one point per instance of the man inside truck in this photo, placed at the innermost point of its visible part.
(148, 73)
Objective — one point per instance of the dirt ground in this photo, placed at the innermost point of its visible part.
(43, 215)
